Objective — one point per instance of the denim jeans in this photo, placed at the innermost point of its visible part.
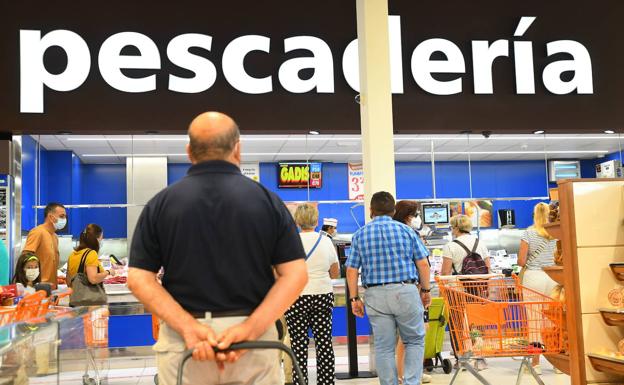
(390, 308)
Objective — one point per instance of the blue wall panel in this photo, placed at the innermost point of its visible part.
(43, 184)
(414, 180)
(56, 182)
(509, 179)
(130, 330)
(65, 179)
(102, 184)
(452, 180)
(29, 173)
(176, 171)
(76, 223)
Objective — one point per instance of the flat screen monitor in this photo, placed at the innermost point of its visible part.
(435, 213)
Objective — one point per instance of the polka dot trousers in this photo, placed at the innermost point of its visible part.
(313, 312)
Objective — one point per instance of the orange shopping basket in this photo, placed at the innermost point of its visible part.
(32, 306)
(96, 336)
(495, 316)
(96, 328)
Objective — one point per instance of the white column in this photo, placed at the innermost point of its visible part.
(145, 177)
(375, 98)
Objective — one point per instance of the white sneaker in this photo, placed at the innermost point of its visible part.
(425, 378)
(557, 371)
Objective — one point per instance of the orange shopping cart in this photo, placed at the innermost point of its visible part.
(494, 316)
(29, 308)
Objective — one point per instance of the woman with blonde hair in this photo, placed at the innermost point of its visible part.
(537, 250)
(313, 309)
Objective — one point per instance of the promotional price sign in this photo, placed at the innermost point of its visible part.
(300, 175)
(251, 170)
(356, 181)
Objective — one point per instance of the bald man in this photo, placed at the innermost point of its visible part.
(218, 235)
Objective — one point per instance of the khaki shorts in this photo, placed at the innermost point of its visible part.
(256, 367)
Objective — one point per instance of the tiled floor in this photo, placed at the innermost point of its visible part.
(138, 368)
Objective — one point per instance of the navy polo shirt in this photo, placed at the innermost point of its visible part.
(217, 234)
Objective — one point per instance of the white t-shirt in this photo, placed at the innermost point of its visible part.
(319, 281)
(455, 252)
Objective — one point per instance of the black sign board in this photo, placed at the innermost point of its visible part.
(288, 67)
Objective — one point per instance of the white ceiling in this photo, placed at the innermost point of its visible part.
(343, 148)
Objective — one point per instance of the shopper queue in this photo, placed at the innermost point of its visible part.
(219, 289)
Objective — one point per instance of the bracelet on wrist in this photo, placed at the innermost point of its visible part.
(354, 299)
(425, 291)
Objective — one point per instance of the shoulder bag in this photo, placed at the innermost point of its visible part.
(309, 254)
(84, 293)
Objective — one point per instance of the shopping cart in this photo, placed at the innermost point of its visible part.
(255, 345)
(96, 336)
(434, 339)
(31, 307)
(494, 316)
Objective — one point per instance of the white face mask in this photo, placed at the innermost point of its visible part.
(60, 223)
(416, 223)
(32, 274)
(101, 243)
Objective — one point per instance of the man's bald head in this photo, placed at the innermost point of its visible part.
(213, 136)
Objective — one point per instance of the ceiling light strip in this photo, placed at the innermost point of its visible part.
(359, 153)
(346, 138)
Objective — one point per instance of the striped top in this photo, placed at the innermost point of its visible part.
(535, 241)
(386, 250)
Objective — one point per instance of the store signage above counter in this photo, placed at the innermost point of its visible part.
(300, 175)
(112, 63)
(82, 68)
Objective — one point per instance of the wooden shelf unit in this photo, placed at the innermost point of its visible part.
(607, 364)
(591, 230)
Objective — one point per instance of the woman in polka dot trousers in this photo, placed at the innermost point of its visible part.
(313, 309)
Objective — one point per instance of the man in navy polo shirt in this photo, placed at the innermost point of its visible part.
(219, 236)
(393, 261)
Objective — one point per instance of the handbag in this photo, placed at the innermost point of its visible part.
(530, 258)
(84, 293)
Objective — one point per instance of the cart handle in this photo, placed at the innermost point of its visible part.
(251, 345)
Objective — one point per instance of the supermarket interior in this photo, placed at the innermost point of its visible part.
(500, 124)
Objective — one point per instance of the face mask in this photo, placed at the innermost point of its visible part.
(60, 224)
(101, 243)
(416, 223)
(32, 274)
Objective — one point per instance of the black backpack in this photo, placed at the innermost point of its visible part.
(473, 263)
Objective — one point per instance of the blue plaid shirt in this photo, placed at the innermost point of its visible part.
(386, 250)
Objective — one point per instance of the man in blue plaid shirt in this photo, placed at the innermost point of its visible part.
(393, 262)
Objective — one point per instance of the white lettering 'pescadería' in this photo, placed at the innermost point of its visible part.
(34, 77)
